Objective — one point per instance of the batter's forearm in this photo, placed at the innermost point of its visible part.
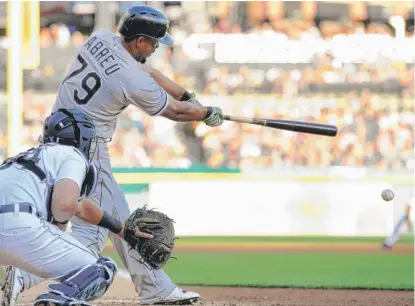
(171, 87)
(184, 111)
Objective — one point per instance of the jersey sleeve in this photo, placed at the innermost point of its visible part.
(143, 91)
(72, 166)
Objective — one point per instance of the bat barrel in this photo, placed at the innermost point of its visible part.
(304, 127)
(288, 125)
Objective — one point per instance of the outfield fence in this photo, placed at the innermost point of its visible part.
(291, 203)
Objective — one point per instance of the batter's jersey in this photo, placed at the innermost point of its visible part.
(19, 184)
(104, 79)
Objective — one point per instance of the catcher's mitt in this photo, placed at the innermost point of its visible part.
(156, 251)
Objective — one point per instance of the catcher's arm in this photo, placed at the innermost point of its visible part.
(64, 202)
(91, 213)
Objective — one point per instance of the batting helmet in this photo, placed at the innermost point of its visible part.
(145, 21)
(69, 127)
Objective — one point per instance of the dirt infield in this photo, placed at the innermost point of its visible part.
(122, 293)
(293, 247)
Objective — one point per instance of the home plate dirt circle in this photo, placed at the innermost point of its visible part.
(122, 293)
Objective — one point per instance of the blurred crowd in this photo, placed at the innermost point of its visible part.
(277, 78)
(374, 131)
(242, 78)
(60, 35)
(376, 127)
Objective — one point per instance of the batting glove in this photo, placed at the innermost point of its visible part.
(192, 99)
(214, 116)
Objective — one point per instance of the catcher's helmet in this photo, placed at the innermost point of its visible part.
(69, 127)
(145, 21)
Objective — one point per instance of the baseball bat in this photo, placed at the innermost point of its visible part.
(288, 125)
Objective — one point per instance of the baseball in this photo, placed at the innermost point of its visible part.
(387, 195)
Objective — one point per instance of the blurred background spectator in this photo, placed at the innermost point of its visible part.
(345, 63)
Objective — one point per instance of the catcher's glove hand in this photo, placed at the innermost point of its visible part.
(156, 251)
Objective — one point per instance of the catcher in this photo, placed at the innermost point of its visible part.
(149, 232)
(42, 190)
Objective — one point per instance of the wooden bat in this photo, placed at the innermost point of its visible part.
(288, 125)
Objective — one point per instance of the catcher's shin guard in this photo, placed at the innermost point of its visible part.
(86, 284)
(53, 299)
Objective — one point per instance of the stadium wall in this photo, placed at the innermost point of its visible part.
(291, 203)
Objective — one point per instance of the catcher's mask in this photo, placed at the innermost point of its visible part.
(70, 127)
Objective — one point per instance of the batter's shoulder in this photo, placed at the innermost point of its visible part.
(103, 34)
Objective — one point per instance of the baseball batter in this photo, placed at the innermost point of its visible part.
(39, 193)
(106, 76)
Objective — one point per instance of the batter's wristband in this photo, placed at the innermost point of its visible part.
(186, 96)
(110, 223)
(208, 112)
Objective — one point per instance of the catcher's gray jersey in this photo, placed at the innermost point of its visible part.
(104, 79)
(19, 184)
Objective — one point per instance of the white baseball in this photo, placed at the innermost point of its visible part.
(388, 195)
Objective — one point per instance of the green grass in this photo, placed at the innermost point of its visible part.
(300, 270)
(318, 270)
(405, 239)
(383, 270)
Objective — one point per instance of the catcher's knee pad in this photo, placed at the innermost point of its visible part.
(88, 283)
(109, 264)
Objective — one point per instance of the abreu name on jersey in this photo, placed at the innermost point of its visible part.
(103, 55)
